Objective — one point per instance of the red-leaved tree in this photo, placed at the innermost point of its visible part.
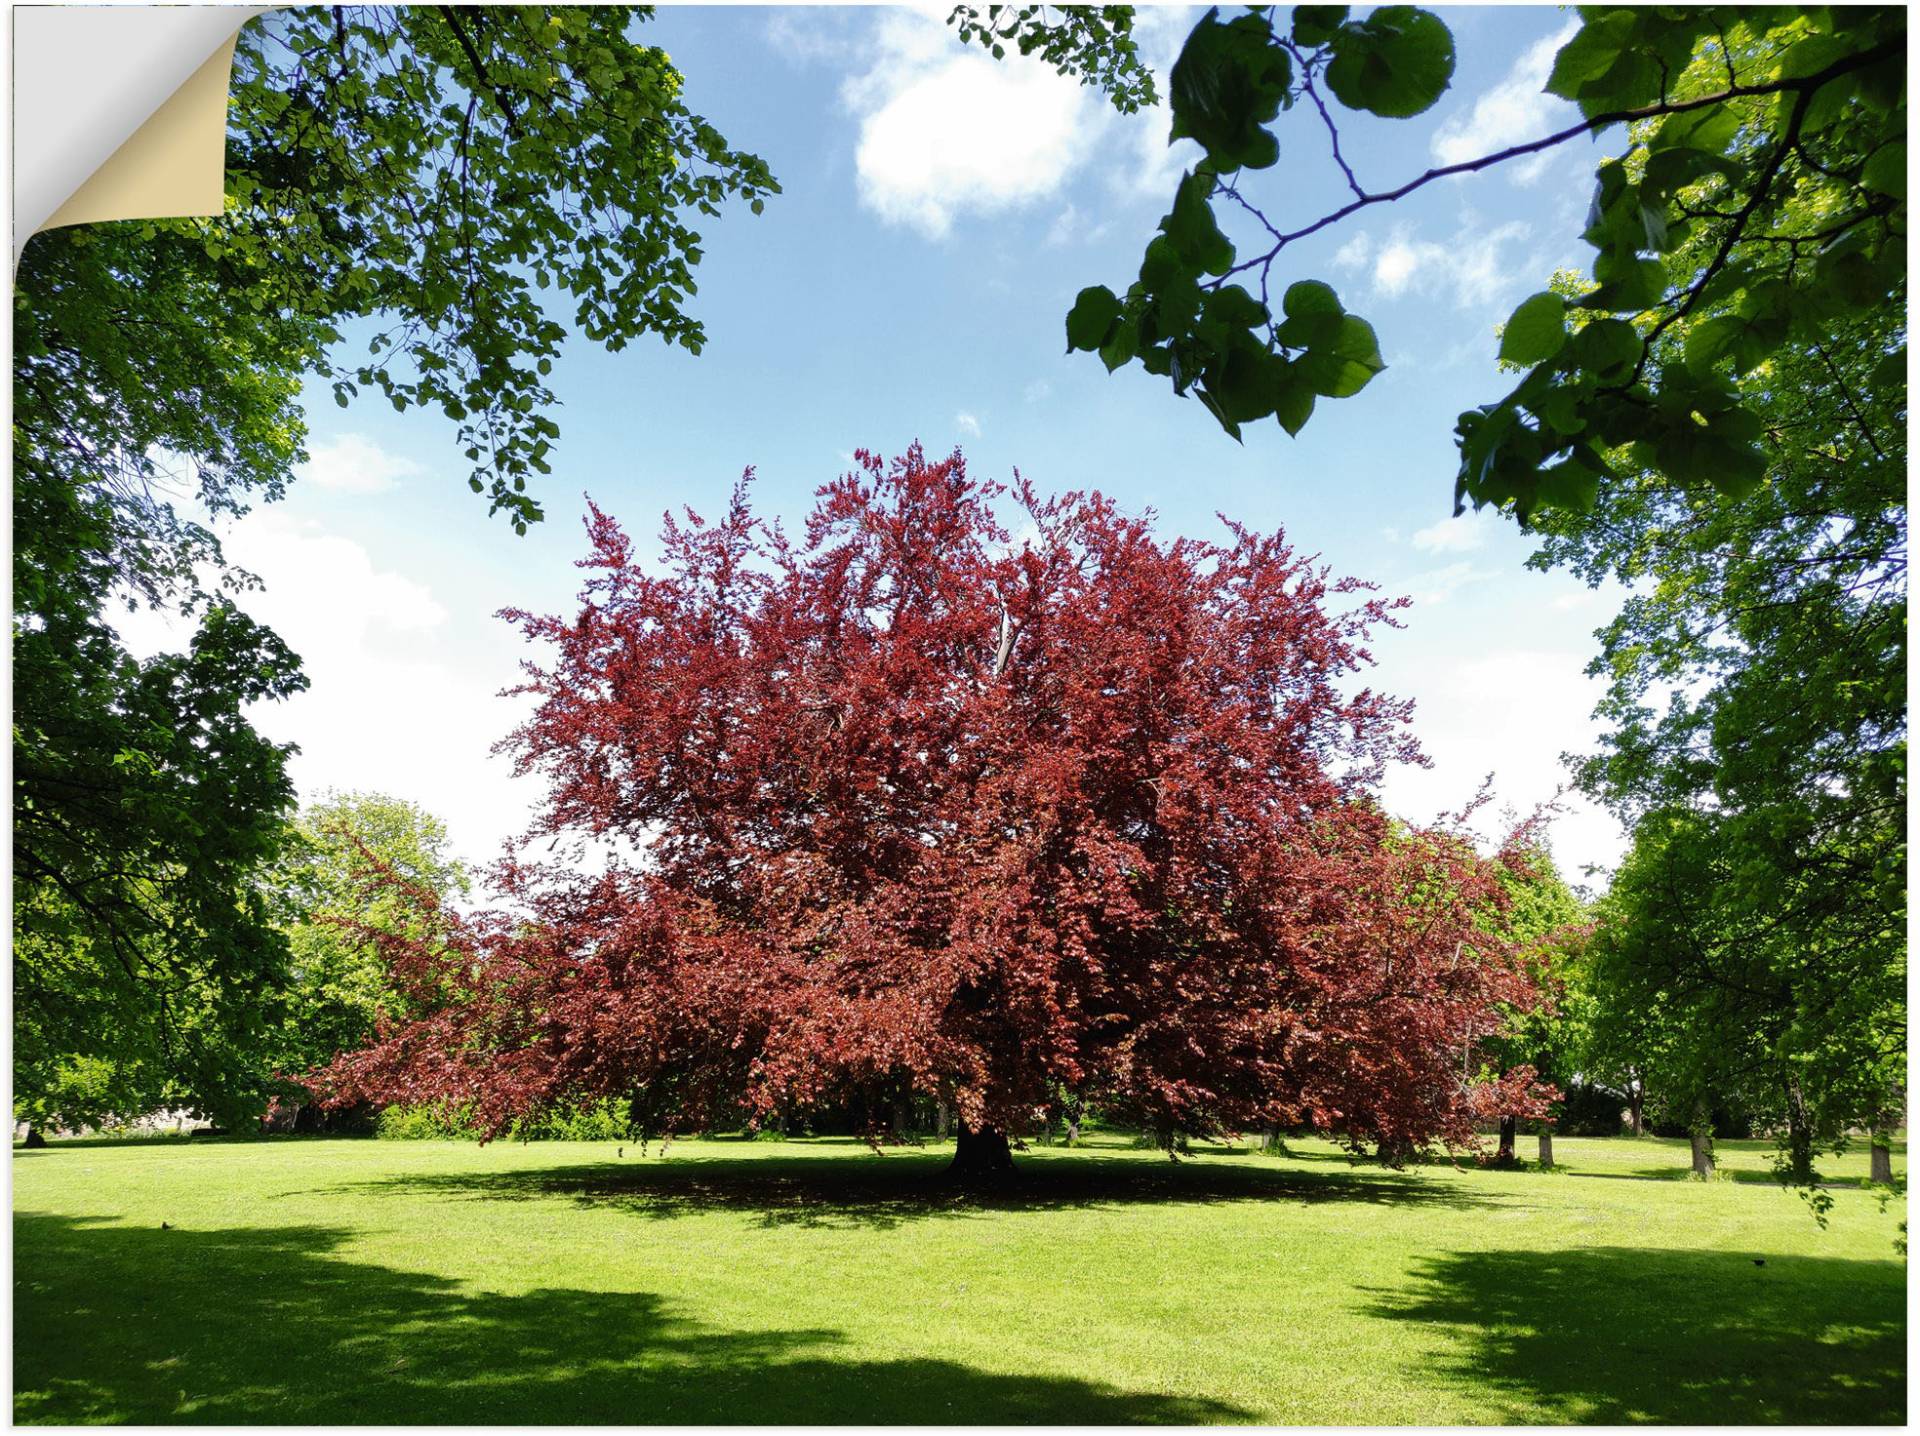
(908, 806)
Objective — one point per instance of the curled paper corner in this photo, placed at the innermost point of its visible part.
(120, 112)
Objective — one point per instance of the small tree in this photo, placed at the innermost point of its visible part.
(920, 809)
(332, 884)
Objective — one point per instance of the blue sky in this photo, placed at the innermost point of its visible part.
(939, 213)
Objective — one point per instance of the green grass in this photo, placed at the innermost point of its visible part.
(306, 1281)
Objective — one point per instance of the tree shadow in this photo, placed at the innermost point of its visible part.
(134, 1324)
(884, 1192)
(1619, 1334)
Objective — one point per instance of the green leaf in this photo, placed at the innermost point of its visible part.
(1309, 296)
(1569, 484)
(1229, 81)
(1293, 402)
(1535, 331)
(1192, 228)
(1347, 365)
(1234, 308)
(1396, 63)
(1886, 171)
(1091, 317)
(1592, 51)
(1314, 25)
(1606, 347)
(1121, 344)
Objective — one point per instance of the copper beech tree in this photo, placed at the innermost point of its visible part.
(907, 806)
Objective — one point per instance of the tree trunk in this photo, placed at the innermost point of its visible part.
(980, 1156)
(1880, 1154)
(1509, 1129)
(34, 1138)
(1701, 1138)
(902, 1118)
(1799, 1137)
(942, 1120)
(1546, 1146)
(1395, 1152)
(1073, 1129)
(1636, 1107)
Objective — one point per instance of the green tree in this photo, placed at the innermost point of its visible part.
(146, 966)
(338, 985)
(1547, 923)
(1769, 144)
(455, 190)
(1757, 712)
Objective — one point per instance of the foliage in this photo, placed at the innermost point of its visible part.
(1756, 696)
(1547, 926)
(819, 1283)
(425, 169)
(337, 985)
(602, 1121)
(146, 809)
(1094, 43)
(1733, 991)
(922, 810)
(1762, 198)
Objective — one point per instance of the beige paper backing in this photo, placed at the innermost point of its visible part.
(173, 165)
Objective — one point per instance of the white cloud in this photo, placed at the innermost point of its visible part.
(1037, 390)
(352, 464)
(1073, 227)
(1355, 253)
(1464, 534)
(1470, 723)
(390, 708)
(1441, 584)
(967, 423)
(814, 35)
(1512, 112)
(1475, 267)
(947, 130)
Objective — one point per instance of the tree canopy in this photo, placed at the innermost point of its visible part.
(902, 806)
(1762, 195)
(435, 183)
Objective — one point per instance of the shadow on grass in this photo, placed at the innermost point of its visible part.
(134, 1324)
(864, 1190)
(1618, 1334)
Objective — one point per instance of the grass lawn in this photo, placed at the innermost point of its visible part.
(308, 1281)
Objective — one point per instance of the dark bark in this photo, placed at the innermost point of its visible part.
(1546, 1146)
(1636, 1107)
(1880, 1154)
(942, 1119)
(1395, 1152)
(1799, 1138)
(980, 1156)
(1509, 1129)
(34, 1138)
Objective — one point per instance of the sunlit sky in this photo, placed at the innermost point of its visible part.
(939, 213)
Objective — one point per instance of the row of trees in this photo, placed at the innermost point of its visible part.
(1201, 914)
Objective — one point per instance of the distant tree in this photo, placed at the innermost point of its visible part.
(920, 809)
(1728, 990)
(1547, 924)
(333, 878)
